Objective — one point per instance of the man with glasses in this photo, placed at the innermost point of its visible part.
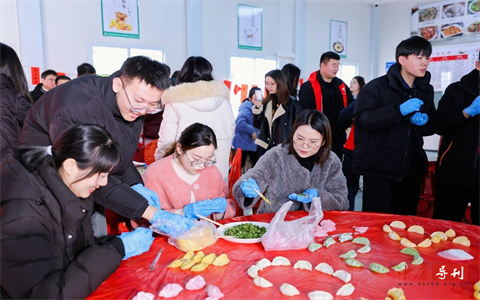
(117, 103)
(48, 83)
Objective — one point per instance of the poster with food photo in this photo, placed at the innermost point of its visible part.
(450, 21)
(338, 37)
(120, 18)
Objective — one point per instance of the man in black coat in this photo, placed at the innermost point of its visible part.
(457, 120)
(117, 103)
(48, 83)
(392, 114)
(329, 94)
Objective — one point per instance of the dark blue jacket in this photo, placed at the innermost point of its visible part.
(244, 128)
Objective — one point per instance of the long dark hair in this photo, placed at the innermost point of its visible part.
(292, 74)
(194, 136)
(91, 146)
(194, 69)
(318, 121)
(11, 68)
(283, 96)
(361, 81)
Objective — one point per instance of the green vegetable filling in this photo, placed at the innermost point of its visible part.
(246, 231)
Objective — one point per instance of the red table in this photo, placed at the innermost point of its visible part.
(418, 281)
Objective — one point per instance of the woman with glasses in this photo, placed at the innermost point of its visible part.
(198, 98)
(187, 179)
(300, 169)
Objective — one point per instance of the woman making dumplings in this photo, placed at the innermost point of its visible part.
(300, 169)
(47, 246)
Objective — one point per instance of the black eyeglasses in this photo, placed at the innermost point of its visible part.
(201, 162)
(141, 109)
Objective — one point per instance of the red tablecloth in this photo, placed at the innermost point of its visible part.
(418, 281)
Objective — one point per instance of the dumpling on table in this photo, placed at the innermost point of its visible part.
(263, 263)
(289, 290)
(214, 292)
(195, 283)
(281, 261)
(320, 295)
(171, 290)
(303, 264)
(324, 268)
(144, 296)
(253, 271)
(262, 282)
(346, 290)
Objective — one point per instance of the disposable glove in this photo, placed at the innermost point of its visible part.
(151, 196)
(306, 198)
(178, 221)
(419, 119)
(205, 208)
(411, 105)
(474, 108)
(136, 242)
(248, 188)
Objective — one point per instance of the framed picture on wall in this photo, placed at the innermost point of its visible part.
(120, 18)
(338, 37)
(250, 27)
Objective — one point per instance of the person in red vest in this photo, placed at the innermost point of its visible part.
(329, 94)
(346, 120)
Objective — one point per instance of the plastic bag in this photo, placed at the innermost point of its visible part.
(296, 234)
(199, 237)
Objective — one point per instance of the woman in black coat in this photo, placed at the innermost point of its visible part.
(47, 248)
(15, 100)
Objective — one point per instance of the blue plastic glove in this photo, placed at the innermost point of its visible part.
(309, 195)
(151, 196)
(419, 119)
(136, 242)
(205, 208)
(474, 108)
(248, 188)
(411, 105)
(178, 221)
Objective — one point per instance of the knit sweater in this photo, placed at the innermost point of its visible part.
(175, 193)
(279, 174)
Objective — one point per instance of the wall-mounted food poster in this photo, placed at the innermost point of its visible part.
(120, 18)
(455, 21)
(338, 37)
(249, 27)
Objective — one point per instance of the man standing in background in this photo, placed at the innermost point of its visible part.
(48, 83)
(329, 94)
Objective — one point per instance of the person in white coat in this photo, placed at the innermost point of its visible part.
(198, 98)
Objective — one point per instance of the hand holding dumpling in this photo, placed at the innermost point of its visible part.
(248, 188)
(306, 197)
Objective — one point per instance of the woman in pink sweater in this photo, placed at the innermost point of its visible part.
(186, 179)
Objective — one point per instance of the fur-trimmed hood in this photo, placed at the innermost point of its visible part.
(200, 95)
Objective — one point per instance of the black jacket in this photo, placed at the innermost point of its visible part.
(388, 144)
(458, 161)
(13, 111)
(332, 100)
(274, 129)
(91, 100)
(37, 92)
(47, 246)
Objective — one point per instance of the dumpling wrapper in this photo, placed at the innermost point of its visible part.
(289, 290)
(328, 225)
(455, 254)
(214, 292)
(262, 282)
(346, 290)
(320, 295)
(318, 231)
(195, 283)
(360, 229)
(144, 296)
(281, 261)
(303, 264)
(263, 263)
(171, 290)
(253, 271)
(324, 268)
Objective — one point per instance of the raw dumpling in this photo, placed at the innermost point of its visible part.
(346, 290)
(324, 268)
(328, 225)
(343, 275)
(171, 290)
(214, 292)
(320, 295)
(263, 263)
(195, 283)
(262, 282)
(144, 296)
(345, 237)
(208, 259)
(314, 246)
(253, 271)
(289, 290)
(281, 261)
(303, 264)
(221, 260)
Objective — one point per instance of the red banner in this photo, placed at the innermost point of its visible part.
(35, 75)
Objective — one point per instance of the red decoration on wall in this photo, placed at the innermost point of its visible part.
(236, 89)
(300, 81)
(244, 92)
(228, 83)
(61, 74)
(35, 75)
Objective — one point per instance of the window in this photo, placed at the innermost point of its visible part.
(248, 71)
(347, 72)
(108, 59)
